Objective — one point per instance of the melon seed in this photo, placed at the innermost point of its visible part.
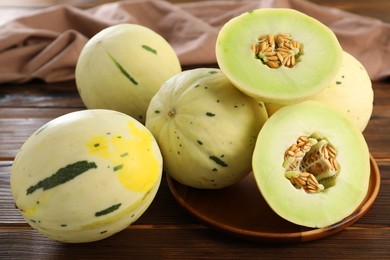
(277, 50)
(309, 161)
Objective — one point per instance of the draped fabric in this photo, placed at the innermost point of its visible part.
(45, 45)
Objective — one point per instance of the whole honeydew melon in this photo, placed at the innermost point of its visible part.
(86, 175)
(205, 127)
(350, 91)
(122, 67)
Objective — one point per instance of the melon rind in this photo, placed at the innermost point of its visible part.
(122, 67)
(320, 62)
(350, 91)
(295, 205)
(126, 174)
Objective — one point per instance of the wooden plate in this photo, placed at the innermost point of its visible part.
(241, 211)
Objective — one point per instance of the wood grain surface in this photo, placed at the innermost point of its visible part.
(166, 230)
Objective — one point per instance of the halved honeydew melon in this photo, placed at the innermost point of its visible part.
(311, 138)
(317, 63)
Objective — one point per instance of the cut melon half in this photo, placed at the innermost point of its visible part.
(311, 164)
(263, 68)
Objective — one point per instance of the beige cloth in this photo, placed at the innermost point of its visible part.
(46, 45)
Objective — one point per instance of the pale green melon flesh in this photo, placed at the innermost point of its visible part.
(320, 62)
(295, 205)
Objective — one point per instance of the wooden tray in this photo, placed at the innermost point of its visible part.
(241, 211)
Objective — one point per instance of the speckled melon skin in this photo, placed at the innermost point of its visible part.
(350, 91)
(205, 127)
(122, 67)
(114, 171)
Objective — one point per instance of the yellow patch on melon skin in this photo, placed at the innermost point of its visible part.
(33, 210)
(30, 212)
(132, 159)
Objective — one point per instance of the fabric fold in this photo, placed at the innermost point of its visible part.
(46, 45)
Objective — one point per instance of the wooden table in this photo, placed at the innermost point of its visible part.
(166, 231)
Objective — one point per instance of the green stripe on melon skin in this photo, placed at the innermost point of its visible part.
(150, 49)
(124, 213)
(124, 154)
(41, 129)
(218, 161)
(108, 210)
(122, 70)
(118, 167)
(62, 176)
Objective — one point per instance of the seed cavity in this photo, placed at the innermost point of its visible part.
(278, 50)
(311, 164)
